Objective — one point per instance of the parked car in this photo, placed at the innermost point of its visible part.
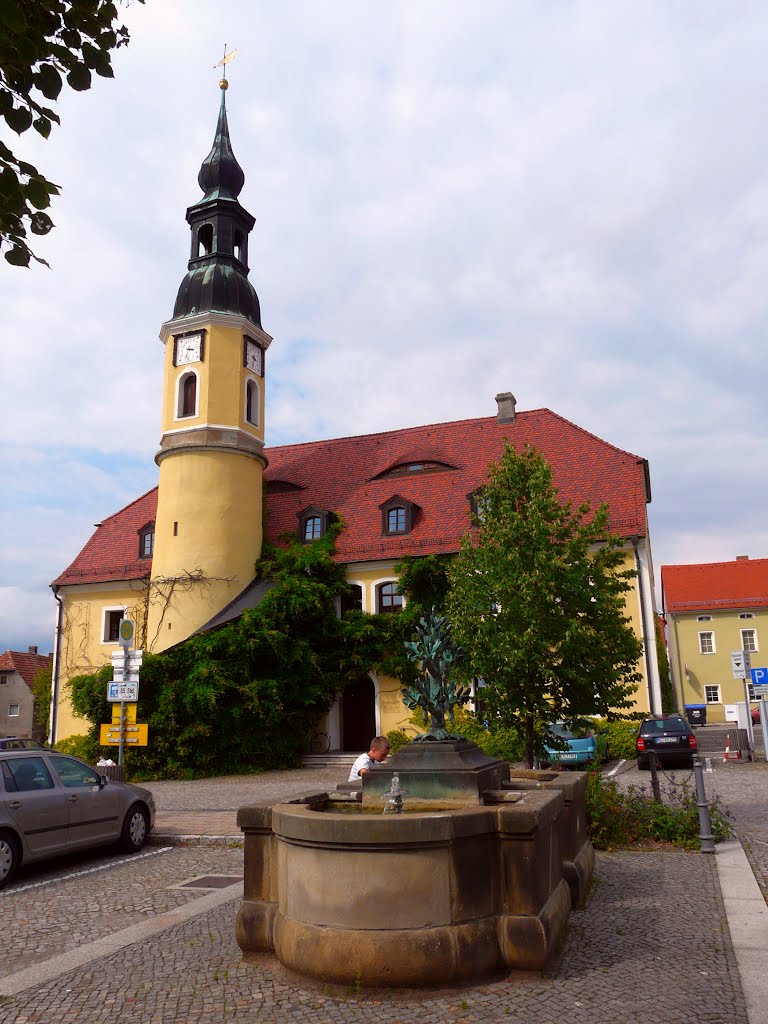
(52, 803)
(755, 714)
(580, 746)
(670, 737)
(19, 743)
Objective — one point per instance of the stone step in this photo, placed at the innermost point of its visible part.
(333, 759)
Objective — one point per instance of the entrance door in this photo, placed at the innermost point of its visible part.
(358, 715)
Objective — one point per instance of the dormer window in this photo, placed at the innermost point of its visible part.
(414, 468)
(477, 502)
(397, 516)
(313, 524)
(147, 540)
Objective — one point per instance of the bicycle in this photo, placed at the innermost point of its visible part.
(319, 742)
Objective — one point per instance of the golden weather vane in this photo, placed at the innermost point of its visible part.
(223, 64)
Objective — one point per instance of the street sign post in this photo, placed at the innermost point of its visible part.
(118, 690)
(759, 680)
(740, 667)
(132, 735)
(125, 633)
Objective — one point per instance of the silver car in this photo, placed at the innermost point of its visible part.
(51, 803)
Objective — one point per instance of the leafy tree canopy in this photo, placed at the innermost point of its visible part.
(41, 691)
(537, 602)
(44, 43)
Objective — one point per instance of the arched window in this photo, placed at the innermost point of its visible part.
(240, 247)
(352, 600)
(387, 598)
(252, 402)
(205, 240)
(187, 395)
(397, 516)
(313, 523)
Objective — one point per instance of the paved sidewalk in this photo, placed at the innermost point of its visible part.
(654, 928)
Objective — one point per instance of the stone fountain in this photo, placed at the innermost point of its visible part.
(478, 875)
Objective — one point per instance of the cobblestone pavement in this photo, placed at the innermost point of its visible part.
(229, 793)
(45, 913)
(634, 939)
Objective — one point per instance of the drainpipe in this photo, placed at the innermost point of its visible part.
(649, 636)
(55, 673)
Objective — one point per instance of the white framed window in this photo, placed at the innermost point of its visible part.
(703, 618)
(13, 710)
(746, 615)
(252, 401)
(712, 693)
(707, 642)
(751, 689)
(749, 640)
(187, 395)
(110, 624)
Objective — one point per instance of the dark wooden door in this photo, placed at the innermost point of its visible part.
(358, 715)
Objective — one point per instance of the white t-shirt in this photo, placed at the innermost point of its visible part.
(363, 761)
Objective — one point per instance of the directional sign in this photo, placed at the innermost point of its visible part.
(130, 714)
(134, 657)
(118, 676)
(133, 735)
(123, 691)
(740, 664)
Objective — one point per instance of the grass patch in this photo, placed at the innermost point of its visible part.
(621, 818)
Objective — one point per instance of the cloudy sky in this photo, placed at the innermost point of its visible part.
(567, 200)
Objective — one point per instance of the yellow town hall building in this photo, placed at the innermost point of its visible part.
(182, 557)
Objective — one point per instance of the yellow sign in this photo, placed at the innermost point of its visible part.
(135, 735)
(130, 714)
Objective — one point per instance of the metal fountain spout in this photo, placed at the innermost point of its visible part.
(394, 798)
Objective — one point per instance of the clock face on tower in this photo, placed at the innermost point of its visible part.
(253, 357)
(189, 349)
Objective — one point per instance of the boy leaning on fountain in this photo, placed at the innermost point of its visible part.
(378, 753)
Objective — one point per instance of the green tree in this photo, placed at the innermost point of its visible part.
(537, 601)
(42, 44)
(41, 691)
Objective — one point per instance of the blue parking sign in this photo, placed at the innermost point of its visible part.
(760, 677)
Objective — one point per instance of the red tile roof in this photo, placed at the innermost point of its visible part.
(27, 665)
(712, 586)
(344, 476)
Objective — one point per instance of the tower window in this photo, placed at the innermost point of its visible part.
(205, 240)
(252, 402)
(387, 598)
(239, 247)
(187, 399)
(147, 540)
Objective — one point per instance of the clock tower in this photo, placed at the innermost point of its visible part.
(208, 530)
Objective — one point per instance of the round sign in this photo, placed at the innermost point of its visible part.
(126, 630)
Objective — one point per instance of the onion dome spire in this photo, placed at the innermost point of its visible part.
(217, 278)
(221, 176)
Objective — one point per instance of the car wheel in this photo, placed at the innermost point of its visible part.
(135, 829)
(9, 857)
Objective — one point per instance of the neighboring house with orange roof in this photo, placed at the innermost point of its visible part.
(181, 558)
(711, 610)
(17, 671)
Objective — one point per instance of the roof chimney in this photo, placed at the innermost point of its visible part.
(742, 558)
(32, 649)
(506, 411)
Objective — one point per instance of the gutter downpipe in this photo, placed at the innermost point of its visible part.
(649, 641)
(56, 662)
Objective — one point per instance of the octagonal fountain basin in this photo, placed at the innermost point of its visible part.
(415, 899)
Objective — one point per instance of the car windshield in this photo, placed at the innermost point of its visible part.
(663, 724)
(561, 730)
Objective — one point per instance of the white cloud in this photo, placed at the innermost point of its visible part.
(568, 201)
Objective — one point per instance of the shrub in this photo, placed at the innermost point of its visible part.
(84, 747)
(503, 742)
(398, 738)
(622, 818)
(620, 738)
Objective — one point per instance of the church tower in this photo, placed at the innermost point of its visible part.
(208, 530)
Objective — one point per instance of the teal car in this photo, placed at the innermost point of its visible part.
(578, 747)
